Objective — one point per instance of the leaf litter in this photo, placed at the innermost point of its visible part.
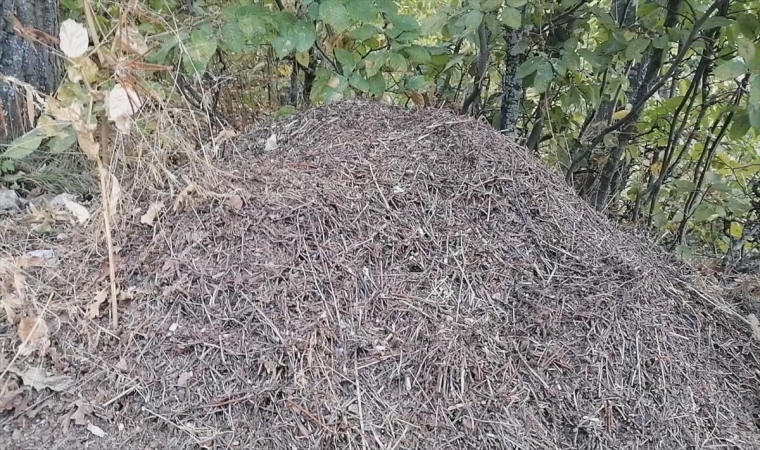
(410, 279)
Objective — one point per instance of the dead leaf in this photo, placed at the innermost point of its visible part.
(96, 430)
(35, 377)
(184, 378)
(122, 365)
(271, 143)
(184, 197)
(122, 101)
(755, 324)
(33, 332)
(417, 98)
(10, 400)
(235, 202)
(73, 38)
(79, 211)
(153, 210)
(129, 40)
(93, 310)
(39, 258)
(84, 409)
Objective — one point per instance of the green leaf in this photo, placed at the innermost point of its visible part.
(303, 36)
(22, 146)
(754, 116)
(364, 32)
(387, 6)
(377, 84)
(748, 24)
(490, 5)
(200, 49)
(636, 48)
(543, 76)
(730, 70)
(333, 13)
(374, 62)
(529, 66)
(361, 10)
(416, 83)
(740, 125)
(685, 186)
(516, 3)
(433, 24)
(716, 22)
(397, 62)
(346, 58)
(405, 23)
(511, 17)
(252, 27)
(472, 20)
(746, 49)
(63, 140)
(359, 82)
(418, 54)
(233, 37)
(282, 46)
(704, 212)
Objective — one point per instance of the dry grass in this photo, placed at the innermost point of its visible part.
(393, 279)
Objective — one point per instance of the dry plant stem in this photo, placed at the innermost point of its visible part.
(103, 172)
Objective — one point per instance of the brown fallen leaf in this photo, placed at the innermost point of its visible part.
(84, 409)
(235, 202)
(96, 430)
(184, 197)
(122, 365)
(36, 378)
(184, 378)
(93, 310)
(150, 216)
(33, 332)
(10, 400)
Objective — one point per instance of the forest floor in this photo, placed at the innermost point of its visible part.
(373, 277)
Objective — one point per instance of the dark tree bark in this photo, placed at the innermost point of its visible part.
(512, 90)
(28, 61)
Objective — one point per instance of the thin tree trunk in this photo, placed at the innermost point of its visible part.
(28, 61)
(512, 90)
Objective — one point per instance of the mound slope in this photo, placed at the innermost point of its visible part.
(411, 279)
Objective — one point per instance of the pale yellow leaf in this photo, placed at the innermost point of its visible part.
(620, 114)
(33, 332)
(122, 101)
(95, 430)
(129, 39)
(79, 211)
(93, 310)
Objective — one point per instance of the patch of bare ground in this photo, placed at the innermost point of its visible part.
(385, 278)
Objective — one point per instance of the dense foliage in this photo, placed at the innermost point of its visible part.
(651, 109)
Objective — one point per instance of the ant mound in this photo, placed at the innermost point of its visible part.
(393, 278)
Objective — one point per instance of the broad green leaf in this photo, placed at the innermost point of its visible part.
(377, 84)
(636, 48)
(397, 62)
(516, 3)
(685, 186)
(387, 6)
(303, 58)
(543, 76)
(511, 17)
(746, 49)
(252, 27)
(282, 46)
(754, 89)
(418, 54)
(491, 5)
(433, 24)
(63, 140)
(405, 23)
(374, 62)
(359, 82)
(753, 111)
(748, 24)
(333, 13)
(361, 10)
(200, 49)
(23, 145)
(303, 36)
(416, 83)
(704, 212)
(739, 126)
(363, 32)
(716, 22)
(346, 58)
(472, 20)
(233, 37)
(730, 70)
(529, 66)
(328, 87)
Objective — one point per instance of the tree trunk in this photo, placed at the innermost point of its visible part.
(28, 61)
(511, 86)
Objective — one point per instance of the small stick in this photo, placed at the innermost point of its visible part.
(107, 220)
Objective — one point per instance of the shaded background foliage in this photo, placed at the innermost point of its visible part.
(650, 109)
